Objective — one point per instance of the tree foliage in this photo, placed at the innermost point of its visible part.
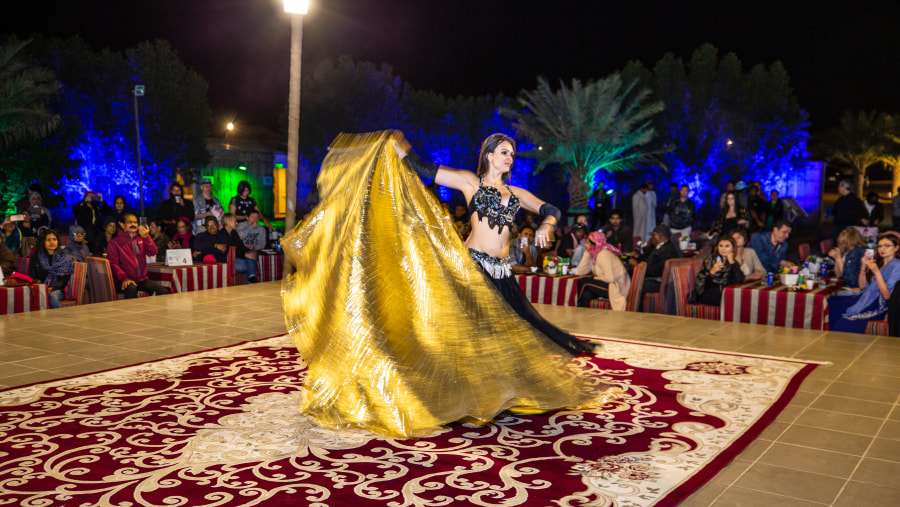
(25, 89)
(861, 140)
(604, 125)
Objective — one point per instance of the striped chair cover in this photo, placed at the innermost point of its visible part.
(825, 246)
(683, 277)
(634, 293)
(22, 265)
(235, 277)
(804, 249)
(877, 327)
(101, 282)
(657, 302)
(75, 290)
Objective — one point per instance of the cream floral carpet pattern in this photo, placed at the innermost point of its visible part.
(221, 428)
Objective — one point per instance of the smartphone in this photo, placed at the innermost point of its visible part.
(523, 242)
(719, 259)
(870, 253)
(16, 218)
(142, 221)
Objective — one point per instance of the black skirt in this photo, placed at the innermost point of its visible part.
(512, 293)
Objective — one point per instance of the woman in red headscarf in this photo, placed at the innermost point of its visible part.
(606, 276)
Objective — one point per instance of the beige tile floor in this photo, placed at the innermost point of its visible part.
(837, 443)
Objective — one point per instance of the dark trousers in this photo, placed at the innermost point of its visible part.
(590, 288)
(151, 287)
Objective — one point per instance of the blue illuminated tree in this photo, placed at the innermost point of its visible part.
(604, 125)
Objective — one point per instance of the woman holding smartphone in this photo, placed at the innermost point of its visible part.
(718, 270)
(877, 278)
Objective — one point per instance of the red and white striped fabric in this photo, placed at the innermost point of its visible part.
(777, 305)
(270, 266)
(191, 278)
(550, 290)
(26, 298)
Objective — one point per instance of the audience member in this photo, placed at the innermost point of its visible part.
(158, 235)
(27, 229)
(89, 213)
(757, 207)
(212, 242)
(655, 254)
(732, 216)
(847, 210)
(40, 215)
(77, 246)
(184, 234)
(175, 207)
(642, 213)
(673, 195)
(25, 201)
(740, 191)
(207, 205)
(717, 271)
(617, 233)
(746, 257)
(572, 240)
(774, 210)
(771, 247)
(729, 187)
(848, 256)
(877, 278)
(7, 261)
(603, 274)
(52, 267)
(252, 234)
(110, 229)
(241, 263)
(119, 209)
(873, 211)
(127, 254)
(523, 254)
(681, 213)
(12, 237)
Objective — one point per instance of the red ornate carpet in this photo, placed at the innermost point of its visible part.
(220, 428)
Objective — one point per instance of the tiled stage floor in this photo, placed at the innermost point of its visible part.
(837, 443)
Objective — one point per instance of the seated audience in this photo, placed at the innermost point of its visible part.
(603, 274)
(12, 237)
(157, 233)
(241, 263)
(732, 216)
(771, 247)
(719, 270)
(572, 240)
(98, 247)
(523, 254)
(617, 233)
(51, 266)
(252, 234)
(175, 207)
(746, 257)
(877, 279)
(127, 254)
(655, 254)
(184, 235)
(212, 242)
(77, 247)
(848, 256)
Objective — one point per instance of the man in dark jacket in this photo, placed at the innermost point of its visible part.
(127, 254)
(848, 209)
(617, 233)
(655, 254)
(174, 208)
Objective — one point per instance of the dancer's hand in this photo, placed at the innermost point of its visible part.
(542, 235)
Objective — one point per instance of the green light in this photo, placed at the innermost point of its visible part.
(279, 166)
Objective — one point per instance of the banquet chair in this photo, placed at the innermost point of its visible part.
(659, 302)
(235, 277)
(825, 246)
(634, 292)
(101, 282)
(878, 327)
(684, 277)
(804, 250)
(22, 265)
(75, 289)
(695, 234)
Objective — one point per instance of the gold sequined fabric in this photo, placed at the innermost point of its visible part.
(401, 331)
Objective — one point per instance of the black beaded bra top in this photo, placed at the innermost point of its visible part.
(488, 202)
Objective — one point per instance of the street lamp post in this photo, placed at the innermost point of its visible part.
(139, 92)
(296, 8)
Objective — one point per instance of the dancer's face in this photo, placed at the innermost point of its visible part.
(502, 157)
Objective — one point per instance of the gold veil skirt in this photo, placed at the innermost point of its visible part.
(400, 330)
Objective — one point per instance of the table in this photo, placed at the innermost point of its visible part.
(190, 278)
(550, 289)
(26, 298)
(778, 305)
(270, 266)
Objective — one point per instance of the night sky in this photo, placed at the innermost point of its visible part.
(840, 54)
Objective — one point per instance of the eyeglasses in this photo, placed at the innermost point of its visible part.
(887, 245)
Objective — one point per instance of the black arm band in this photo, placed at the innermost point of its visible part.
(549, 210)
(425, 170)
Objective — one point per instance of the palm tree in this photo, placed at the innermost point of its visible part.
(891, 153)
(24, 89)
(587, 128)
(859, 141)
